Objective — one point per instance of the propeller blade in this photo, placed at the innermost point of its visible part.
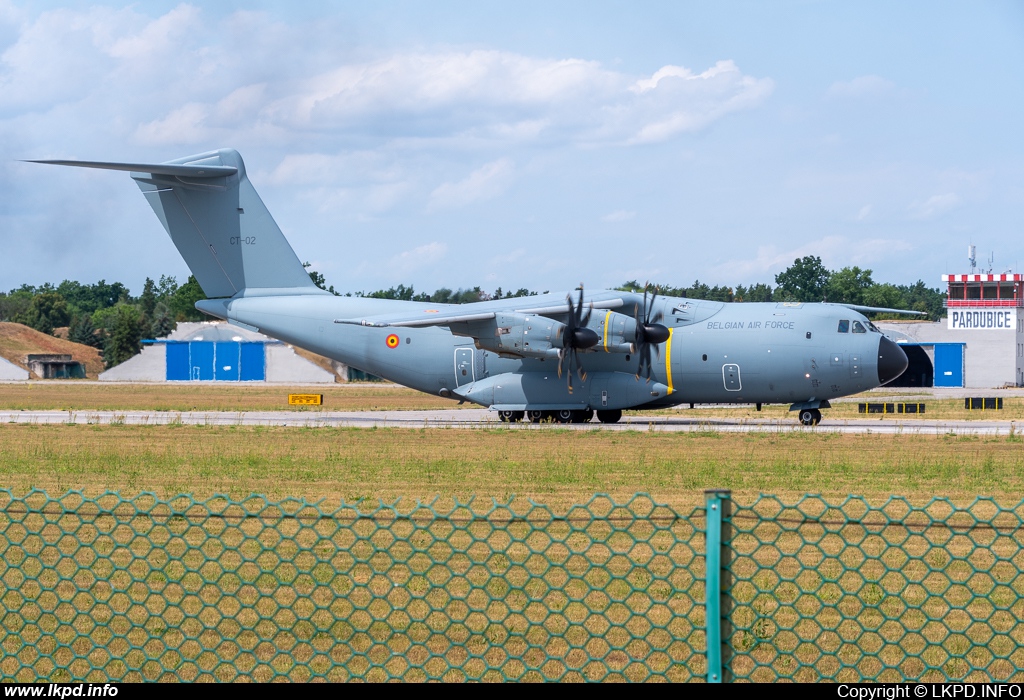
(586, 319)
(654, 294)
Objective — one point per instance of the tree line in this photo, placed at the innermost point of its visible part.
(806, 280)
(106, 316)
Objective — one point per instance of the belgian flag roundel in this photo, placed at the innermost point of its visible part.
(392, 341)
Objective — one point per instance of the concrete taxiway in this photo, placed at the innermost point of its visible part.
(482, 418)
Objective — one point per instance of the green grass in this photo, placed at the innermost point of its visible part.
(557, 466)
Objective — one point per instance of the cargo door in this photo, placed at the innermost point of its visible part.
(464, 373)
(731, 377)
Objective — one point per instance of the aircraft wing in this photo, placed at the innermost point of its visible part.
(465, 314)
(880, 309)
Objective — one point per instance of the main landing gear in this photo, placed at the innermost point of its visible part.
(810, 416)
(563, 416)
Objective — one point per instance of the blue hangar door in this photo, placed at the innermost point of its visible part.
(253, 362)
(226, 361)
(949, 364)
(226, 357)
(177, 362)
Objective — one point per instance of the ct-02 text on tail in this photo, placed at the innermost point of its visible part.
(560, 356)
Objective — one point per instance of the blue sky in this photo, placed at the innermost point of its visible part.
(526, 144)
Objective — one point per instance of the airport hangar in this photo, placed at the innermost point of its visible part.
(980, 343)
(217, 352)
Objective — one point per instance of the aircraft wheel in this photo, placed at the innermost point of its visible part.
(584, 416)
(810, 416)
(564, 416)
(536, 416)
(510, 416)
(609, 416)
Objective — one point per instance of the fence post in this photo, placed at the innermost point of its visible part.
(715, 501)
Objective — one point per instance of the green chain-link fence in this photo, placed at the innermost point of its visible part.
(144, 589)
(148, 589)
(850, 591)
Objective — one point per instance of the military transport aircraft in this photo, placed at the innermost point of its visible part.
(553, 357)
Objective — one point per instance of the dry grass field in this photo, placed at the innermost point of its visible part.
(82, 396)
(554, 466)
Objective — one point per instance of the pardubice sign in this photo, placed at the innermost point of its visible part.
(981, 319)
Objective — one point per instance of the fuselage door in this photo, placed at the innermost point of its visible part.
(731, 376)
(464, 373)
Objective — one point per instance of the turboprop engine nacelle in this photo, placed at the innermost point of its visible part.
(617, 331)
(514, 334)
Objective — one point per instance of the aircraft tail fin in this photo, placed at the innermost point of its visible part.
(218, 223)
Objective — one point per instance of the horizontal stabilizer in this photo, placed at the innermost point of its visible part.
(154, 168)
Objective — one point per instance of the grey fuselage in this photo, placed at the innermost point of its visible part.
(716, 353)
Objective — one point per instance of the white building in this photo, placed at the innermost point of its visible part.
(980, 344)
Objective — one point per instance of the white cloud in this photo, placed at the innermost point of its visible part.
(186, 76)
(865, 212)
(162, 35)
(675, 101)
(345, 168)
(365, 200)
(618, 215)
(484, 183)
(419, 257)
(860, 87)
(185, 125)
(500, 94)
(934, 206)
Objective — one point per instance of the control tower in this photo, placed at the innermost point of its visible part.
(981, 342)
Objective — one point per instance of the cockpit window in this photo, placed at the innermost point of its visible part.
(873, 328)
(844, 326)
(859, 328)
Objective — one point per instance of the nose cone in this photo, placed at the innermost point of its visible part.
(892, 361)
